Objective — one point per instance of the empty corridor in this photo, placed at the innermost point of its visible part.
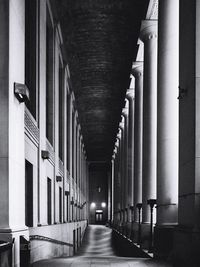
(97, 251)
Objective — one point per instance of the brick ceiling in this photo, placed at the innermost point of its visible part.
(100, 39)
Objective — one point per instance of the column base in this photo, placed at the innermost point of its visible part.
(134, 232)
(186, 247)
(145, 235)
(163, 241)
(127, 232)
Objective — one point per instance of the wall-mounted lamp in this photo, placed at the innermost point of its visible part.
(21, 92)
(58, 178)
(72, 202)
(99, 189)
(45, 154)
(93, 205)
(103, 204)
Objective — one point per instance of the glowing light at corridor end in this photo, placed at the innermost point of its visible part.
(103, 204)
(93, 205)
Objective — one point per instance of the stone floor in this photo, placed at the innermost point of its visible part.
(97, 251)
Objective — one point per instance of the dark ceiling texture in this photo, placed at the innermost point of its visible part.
(100, 40)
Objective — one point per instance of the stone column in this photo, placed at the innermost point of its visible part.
(130, 96)
(12, 149)
(149, 37)
(186, 240)
(121, 127)
(112, 187)
(125, 114)
(118, 173)
(121, 172)
(71, 156)
(137, 72)
(167, 133)
(116, 182)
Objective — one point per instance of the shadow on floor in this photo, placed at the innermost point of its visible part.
(124, 248)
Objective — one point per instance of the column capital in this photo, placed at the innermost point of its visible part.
(116, 147)
(119, 134)
(76, 115)
(137, 69)
(149, 30)
(118, 138)
(121, 126)
(125, 112)
(130, 94)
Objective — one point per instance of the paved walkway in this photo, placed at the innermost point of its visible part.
(97, 251)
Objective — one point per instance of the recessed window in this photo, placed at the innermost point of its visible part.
(60, 204)
(28, 194)
(68, 131)
(67, 207)
(73, 145)
(61, 112)
(49, 79)
(30, 53)
(49, 208)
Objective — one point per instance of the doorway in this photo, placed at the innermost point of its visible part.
(99, 216)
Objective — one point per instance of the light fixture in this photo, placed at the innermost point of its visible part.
(99, 211)
(21, 92)
(45, 154)
(103, 204)
(99, 189)
(93, 205)
(58, 178)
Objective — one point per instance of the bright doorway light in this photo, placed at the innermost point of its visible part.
(103, 204)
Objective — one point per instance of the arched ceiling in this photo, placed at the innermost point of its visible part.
(100, 39)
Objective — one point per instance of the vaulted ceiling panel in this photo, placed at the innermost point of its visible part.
(100, 40)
